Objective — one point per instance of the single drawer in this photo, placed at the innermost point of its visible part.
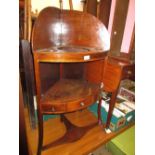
(81, 104)
(128, 72)
(54, 108)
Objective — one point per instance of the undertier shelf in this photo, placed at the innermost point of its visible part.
(68, 95)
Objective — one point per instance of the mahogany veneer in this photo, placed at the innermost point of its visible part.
(68, 38)
(69, 54)
(75, 95)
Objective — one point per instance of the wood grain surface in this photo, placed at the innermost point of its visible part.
(55, 129)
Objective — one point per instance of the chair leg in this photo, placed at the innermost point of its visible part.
(111, 108)
(40, 133)
(99, 112)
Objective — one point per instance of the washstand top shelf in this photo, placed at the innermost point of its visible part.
(69, 54)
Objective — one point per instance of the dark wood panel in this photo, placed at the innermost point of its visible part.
(49, 74)
(23, 143)
(104, 11)
(21, 4)
(94, 71)
(116, 70)
(91, 7)
(118, 26)
(111, 75)
(22, 74)
(57, 28)
(84, 5)
(74, 70)
(29, 79)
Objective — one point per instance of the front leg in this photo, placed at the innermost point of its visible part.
(111, 108)
(99, 112)
(40, 133)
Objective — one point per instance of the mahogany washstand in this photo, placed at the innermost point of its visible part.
(72, 46)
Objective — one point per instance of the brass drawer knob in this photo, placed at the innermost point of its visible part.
(82, 104)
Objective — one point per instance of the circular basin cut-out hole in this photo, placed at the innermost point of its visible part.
(73, 49)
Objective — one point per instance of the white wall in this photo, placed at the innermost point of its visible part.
(129, 26)
(40, 4)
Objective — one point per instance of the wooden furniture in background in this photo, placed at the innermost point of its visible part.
(118, 27)
(27, 20)
(116, 70)
(116, 16)
(71, 4)
(104, 11)
(113, 71)
(84, 5)
(28, 76)
(23, 142)
(21, 19)
(62, 38)
(91, 7)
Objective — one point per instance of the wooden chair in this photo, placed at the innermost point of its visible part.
(115, 70)
(71, 42)
(111, 80)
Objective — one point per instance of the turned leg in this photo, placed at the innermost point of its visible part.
(111, 108)
(40, 133)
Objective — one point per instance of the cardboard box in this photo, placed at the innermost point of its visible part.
(128, 109)
(124, 111)
(123, 114)
(116, 121)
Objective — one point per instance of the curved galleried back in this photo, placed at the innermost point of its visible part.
(55, 27)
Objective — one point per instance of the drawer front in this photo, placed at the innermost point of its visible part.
(81, 104)
(69, 106)
(128, 72)
(54, 108)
